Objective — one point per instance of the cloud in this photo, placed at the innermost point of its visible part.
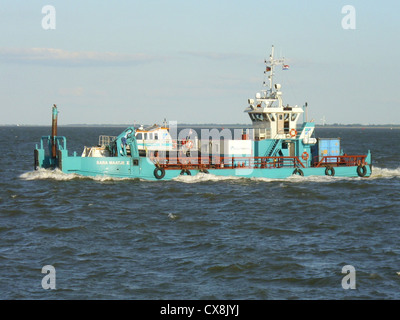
(75, 92)
(60, 57)
(215, 55)
(81, 92)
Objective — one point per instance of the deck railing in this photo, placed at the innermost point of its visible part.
(227, 162)
(216, 162)
(335, 161)
(106, 140)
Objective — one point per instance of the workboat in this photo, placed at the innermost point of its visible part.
(274, 147)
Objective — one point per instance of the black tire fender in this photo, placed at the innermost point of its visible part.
(361, 170)
(298, 171)
(329, 171)
(159, 172)
(185, 172)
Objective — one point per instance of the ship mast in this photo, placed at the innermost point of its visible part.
(270, 118)
(270, 69)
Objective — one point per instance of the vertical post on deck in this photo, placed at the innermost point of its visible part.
(54, 131)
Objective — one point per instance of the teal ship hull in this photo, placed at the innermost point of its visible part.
(144, 168)
(123, 164)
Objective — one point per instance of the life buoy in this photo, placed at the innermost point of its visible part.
(361, 170)
(159, 172)
(185, 172)
(305, 155)
(293, 133)
(298, 171)
(189, 144)
(329, 171)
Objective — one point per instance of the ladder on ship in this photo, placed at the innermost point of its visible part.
(272, 148)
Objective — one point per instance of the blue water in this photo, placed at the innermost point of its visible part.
(198, 237)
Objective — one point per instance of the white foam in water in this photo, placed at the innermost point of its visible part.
(56, 174)
(172, 216)
(200, 177)
(42, 174)
(378, 173)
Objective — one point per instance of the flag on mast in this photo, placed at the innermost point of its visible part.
(285, 67)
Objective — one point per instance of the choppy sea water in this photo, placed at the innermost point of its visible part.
(198, 237)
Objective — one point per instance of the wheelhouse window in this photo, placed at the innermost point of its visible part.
(258, 117)
(271, 116)
(286, 122)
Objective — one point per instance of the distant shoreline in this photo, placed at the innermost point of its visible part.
(215, 125)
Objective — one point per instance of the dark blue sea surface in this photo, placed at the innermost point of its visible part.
(198, 237)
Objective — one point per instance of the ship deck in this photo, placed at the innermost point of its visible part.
(202, 163)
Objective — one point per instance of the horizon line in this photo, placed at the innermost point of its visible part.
(192, 124)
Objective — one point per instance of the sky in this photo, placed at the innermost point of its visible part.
(195, 62)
